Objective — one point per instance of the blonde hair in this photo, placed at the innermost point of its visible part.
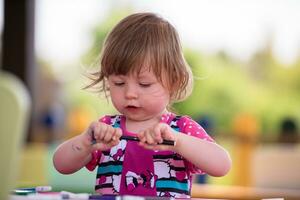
(145, 38)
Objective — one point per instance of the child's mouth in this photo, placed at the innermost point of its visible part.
(131, 107)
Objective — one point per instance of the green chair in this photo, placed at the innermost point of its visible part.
(14, 113)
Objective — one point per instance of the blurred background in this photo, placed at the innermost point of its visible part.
(245, 56)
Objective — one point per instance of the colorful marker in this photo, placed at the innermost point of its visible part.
(25, 191)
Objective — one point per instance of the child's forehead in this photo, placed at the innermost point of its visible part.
(145, 73)
(139, 70)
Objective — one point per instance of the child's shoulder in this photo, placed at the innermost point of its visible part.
(187, 125)
(182, 120)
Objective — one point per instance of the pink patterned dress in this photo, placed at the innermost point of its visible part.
(128, 169)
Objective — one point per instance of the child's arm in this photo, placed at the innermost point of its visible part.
(75, 153)
(207, 156)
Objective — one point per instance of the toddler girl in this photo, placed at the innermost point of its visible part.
(144, 72)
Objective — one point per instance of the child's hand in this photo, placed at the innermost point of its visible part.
(152, 137)
(102, 136)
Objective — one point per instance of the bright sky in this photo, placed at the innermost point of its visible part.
(238, 26)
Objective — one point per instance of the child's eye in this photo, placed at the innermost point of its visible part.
(118, 83)
(145, 84)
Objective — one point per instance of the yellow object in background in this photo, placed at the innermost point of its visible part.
(78, 120)
(245, 128)
(33, 165)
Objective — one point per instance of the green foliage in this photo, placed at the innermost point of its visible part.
(224, 88)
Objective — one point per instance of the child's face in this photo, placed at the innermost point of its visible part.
(139, 96)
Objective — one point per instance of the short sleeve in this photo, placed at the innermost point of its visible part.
(96, 155)
(192, 128)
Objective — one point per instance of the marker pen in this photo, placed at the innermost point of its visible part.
(133, 138)
(25, 191)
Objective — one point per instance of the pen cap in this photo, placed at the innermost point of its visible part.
(43, 188)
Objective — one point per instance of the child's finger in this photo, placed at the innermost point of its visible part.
(109, 134)
(157, 133)
(142, 137)
(114, 142)
(115, 137)
(166, 132)
(149, 138)
(118, 133)
(101, 130)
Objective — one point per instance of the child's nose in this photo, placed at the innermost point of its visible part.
(131, 92)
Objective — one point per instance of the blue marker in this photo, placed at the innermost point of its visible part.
(25, 191)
